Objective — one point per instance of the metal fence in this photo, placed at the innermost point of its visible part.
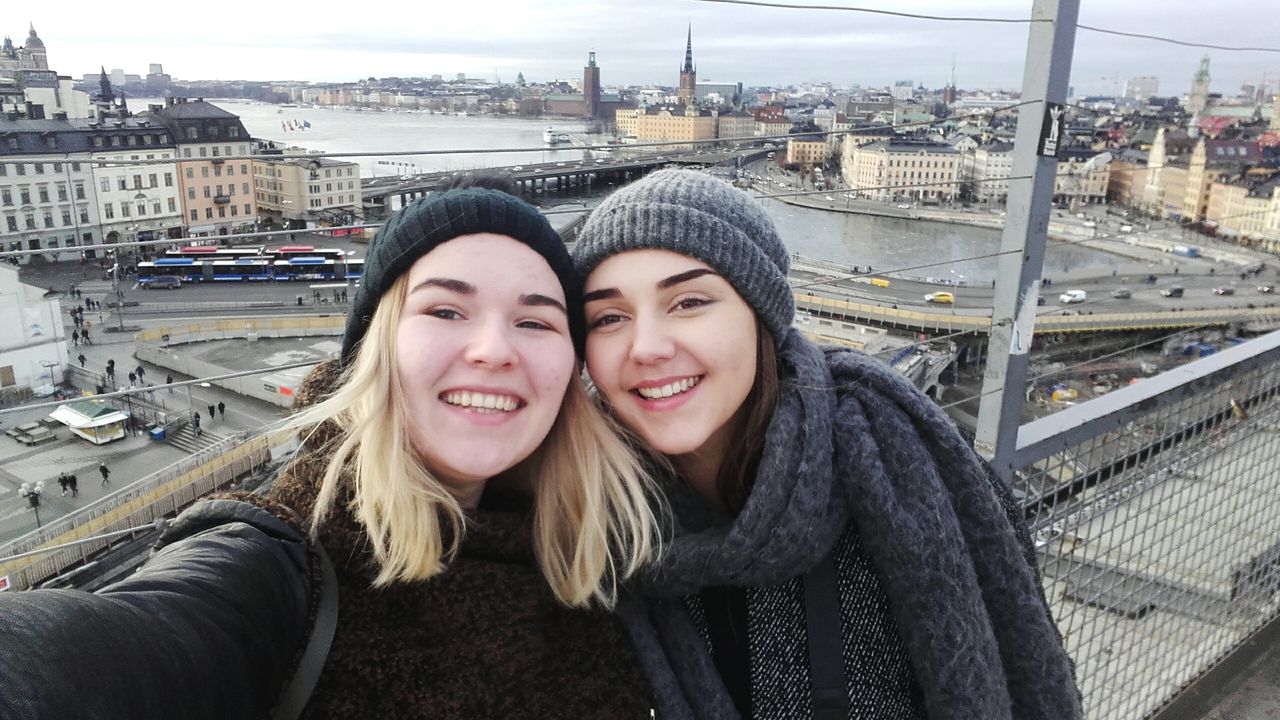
(1156, 515)
(160, 494)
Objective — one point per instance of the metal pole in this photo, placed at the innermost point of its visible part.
(1044, 78)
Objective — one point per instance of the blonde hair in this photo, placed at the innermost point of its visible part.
(592, 521)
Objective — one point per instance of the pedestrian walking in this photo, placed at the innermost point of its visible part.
(195, 423)
(212, 417)
(74, 484)
(141, 373)
(168, 380)
(222, 410)
(133, 379)
(106, 472)
(64, 482)
(75, 338)
(81, 358)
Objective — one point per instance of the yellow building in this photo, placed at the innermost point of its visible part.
(667, 125)
(804, 151)
(294, 189)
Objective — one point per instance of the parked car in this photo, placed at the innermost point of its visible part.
(941, 298)
(1121, 293)
(164, 282)
(1266, 289)
(1224, 290)
(1173, 291)
(904, 207)
(1072, 297)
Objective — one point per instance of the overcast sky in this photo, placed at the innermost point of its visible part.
(639, 42)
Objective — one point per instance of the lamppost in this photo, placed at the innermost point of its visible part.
(50, 365)
(32, 494)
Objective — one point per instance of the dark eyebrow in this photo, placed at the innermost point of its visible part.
(601, 294)
(686, 276)
(534, 299)
(458, 286)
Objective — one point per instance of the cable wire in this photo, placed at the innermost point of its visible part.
(873, 11)
(1172, 41)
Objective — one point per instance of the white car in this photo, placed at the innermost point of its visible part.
(904, 207)
(1072, 297)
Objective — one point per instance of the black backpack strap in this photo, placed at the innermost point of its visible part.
(298, 691)
(826, 657)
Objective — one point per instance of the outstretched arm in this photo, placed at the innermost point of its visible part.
(208, 628)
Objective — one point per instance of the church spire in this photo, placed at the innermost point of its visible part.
(688, 52)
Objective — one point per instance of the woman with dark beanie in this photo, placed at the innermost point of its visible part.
(838, 549)
(478, 508)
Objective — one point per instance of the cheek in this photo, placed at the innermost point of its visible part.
(602, 364)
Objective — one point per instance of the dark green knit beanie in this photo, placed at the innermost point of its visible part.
(694, 214)
(427, 222)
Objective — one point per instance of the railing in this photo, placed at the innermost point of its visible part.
(1156, 514)
(158, 495)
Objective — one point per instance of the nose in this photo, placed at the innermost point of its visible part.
(650, 341)
(491, 346)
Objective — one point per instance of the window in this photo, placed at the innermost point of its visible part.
(244, 188)
(233, 132)
(62, 192)
(191, 193)
(244, 168)
(233, 210)
(12, 222)
(71, 241)
(219, 190)
(247, 210)
(39, 168)
(142, 208)
(231, 170)
(4, 169)
(84, 216)
(328, 187)
(88, 238)
(66, 217)
(57, 167)
(194, 216)
(124, 209)
(204, 152)
(191, 173)
(151, 181)
(104, 184)
(204, 171)
(133, 140)
(215, 151)
(24, 195)
(137, 181)
(206, 191)
(222, 211)
(115, 141)
(146, 139)
(193, 134)
(98, 141)
(6, 197)
(121, 183)
(155, 207)
(212, 132)
(168, 179)
(217, 171)
(186, 152)
(30, 219)
(48, 219)
(229, 150)
(231, 189)
(20, 167)
(173, 205)
(208, 213)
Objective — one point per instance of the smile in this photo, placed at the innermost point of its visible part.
(485, 403)
(668, 390)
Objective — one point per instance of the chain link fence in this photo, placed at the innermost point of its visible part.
(1156, 515)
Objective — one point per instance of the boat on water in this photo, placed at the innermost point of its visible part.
(551, 137)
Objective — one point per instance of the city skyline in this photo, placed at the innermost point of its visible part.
(639, 45)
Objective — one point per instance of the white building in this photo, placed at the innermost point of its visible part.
(46, 187)
(1142, 87)
(299, 191)
(136, 198)
(986, 172)
(33, 345)
(902, 170)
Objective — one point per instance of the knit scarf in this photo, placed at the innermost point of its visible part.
(853, 442)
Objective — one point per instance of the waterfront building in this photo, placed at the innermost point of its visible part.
(986, 170)
(136, 198)
(688, 89)
(1075, 184)
(674, 124)
(299, 191)
(216, 194)
(903, 170)
(46, 183)
(772, 125)
(34, 353)
(735, 124)
(1244, 208)
(808, 151)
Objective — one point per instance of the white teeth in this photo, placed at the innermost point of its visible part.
(482, 402)
(667, 390)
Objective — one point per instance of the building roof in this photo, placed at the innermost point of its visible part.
(197, 109)
(907, 146)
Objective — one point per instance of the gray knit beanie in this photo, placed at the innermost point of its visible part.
(694, 214)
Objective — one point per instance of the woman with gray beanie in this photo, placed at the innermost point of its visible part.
(838, 549)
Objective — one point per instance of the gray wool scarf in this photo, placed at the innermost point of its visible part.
(880, 455)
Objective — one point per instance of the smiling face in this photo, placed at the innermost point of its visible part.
(484, 356)
(672, 346)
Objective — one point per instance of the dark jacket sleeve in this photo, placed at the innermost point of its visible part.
(208, 628)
